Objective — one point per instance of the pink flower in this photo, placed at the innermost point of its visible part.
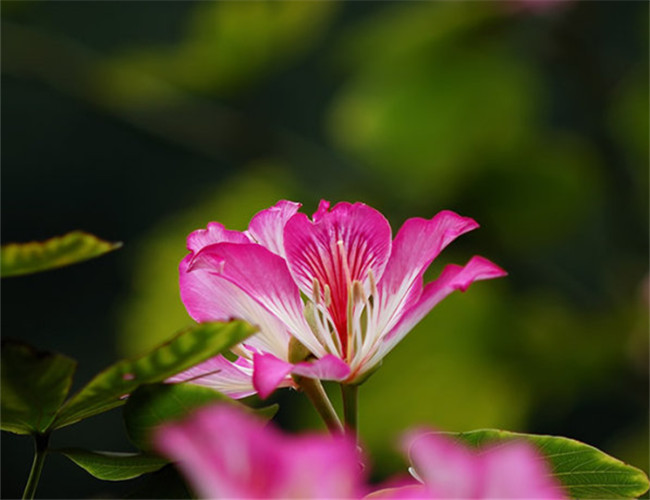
(447, 469)
(337, 282)
(226, 453)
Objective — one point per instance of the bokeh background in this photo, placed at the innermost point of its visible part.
(142, 121)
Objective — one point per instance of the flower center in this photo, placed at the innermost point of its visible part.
(347, 334)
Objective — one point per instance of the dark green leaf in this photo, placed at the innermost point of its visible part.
(34, 385)
(112, 466)
(108, 389)
(152, 405)
(35, 256)
(585, 471)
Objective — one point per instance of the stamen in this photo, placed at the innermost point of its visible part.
(358, 294)
(314, 318)
(328, 296)
(373, 283)
(315, 287)
(344, 261)
(366, 322)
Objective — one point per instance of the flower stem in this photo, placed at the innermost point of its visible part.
(318, 397)
(350, 394)
(40, 450)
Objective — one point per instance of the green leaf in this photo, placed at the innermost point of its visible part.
(34, 386)
(109, 388)
(152, 405)
(36, 256)
(584, 471)
(114, 466)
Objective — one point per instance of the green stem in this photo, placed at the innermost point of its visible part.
(350, 394)
(318, 397)
(40, 450)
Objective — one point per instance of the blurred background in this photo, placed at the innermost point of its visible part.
(142, 121)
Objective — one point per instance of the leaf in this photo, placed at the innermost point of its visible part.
(584, 471)
(152, 405)
(36, 256)
(113, 466)
(34, 386)
(109, 388)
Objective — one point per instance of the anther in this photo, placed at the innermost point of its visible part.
(344, 261)
(328, 296)
(315, 286)
(373, 283)
(358, 294)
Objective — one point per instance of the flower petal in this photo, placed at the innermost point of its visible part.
(339, 247)
(262, 277)
(448, 469)
(341, 477)
(267, 226)
(453, 277)
(224, 453)
(321, 211)
(268, 373)
(411, 491)
(209, 297)
(417, 244)
(233, 379)
(328, 367)
(517, 470)
(214, 233)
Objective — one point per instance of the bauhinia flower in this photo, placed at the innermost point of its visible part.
(337, 283)
(448, 469)
(226, 453)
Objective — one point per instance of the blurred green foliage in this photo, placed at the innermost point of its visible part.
(532, 121)
(227, 47)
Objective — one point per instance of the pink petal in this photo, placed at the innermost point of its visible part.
(321, 211)
(448, 469)
(339, 247)
(220, 374)
(201, 293)
(224, 452)
(452, 278)
(214, 233)
(338, 476)
(209, 297)
(262, 278)
(412, 491)
(267, 226)
(399, 487)
(329, 367)
(517, 470)
(417, 244)
(268, 373)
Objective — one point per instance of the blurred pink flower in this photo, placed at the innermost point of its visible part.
(448, 469)
(226, 453)
(337, 282)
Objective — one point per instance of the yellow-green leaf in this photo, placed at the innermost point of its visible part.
(114, 466)
(109, 388)
(36, 256)
(584, 471)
